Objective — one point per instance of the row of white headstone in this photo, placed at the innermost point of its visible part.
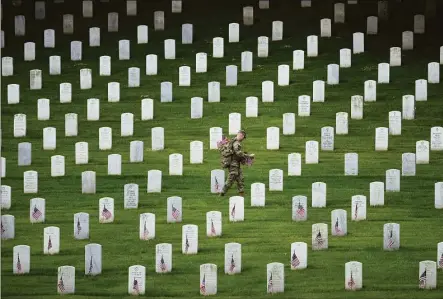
(208, 272)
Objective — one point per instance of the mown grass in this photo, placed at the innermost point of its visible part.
(266, 233)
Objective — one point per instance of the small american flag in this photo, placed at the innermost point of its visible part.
(294, 260)
(270, 284)
(440, 261)
(391, 240)
(213, 233)
(203, 285)
(319, 239)
(145, 232)
(19, 264)
(36, 213)
(217, 185)
(351, 282)
(356, 211)
(233, 212)
(49, 243)
(106, 213)
(91, 266)
(336, 227)
(232, 266)
(175, 213)
(79, 227)
(300, 210)
(186, 244)
(3, 229)
(135, 288)
(61, 285)
(162, 264)
(422, 280)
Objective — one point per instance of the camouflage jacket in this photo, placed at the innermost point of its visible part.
(238, 156)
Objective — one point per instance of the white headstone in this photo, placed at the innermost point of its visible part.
(408, 164)
(353, 276)
(395, 56)
(20, 125)
(407, 40)
(208, 279)
(213, 224)
(94, 37)
(370, 91)
(43, 109)
(189, 239)
(76, 51)
(383, 10)
(51, 242)
(174, 209)
(311, 152)
(339, 226)
(408, 107)
(341, 123)
(252, 107)
(88, 9)
(169, 49)
(114, 164)
(381, 139)
(267, 91)
(187, 34)
(377, 194)
(7, 66)
(49, 138)
(391, 236)
(277, 30)
(372, 25)
(93, 109)
(419, 24)
(272, 138)
(201, 62)
(68, 24)
(113, 92)
(163, 258)
(154, 181)
(136, 280)
(85, 79)
(358, 43)
(294, 164)
(262, 46)
(21, 259)
(55, 65)
(275, 280)
(176, 6)
(299, 208)
(234, 123)
(351, 164)
(422, 152)
(13, 93)
(339, 13)
(136, 151)
(357, 107)
(236, 209)
(248, 15)
(147, 226)
(304, 105)
(165, 92)
(157, 138)
(258, 195)
(131, 7)
(318, 195)
(142, 34)
(5, 197)
(421, 90)
(176, 164)
(433, 73)
(49, 38)
(217, 180)
(234, 32)
(81, 152)
(66, 280)
(105, 66)
(106, 210)
(288, 123)
(81, 226)
(437, 139)
(124, 49)
(147, 108)
(196, 107)
(105, 138)
(427, 275)
(395, 123)
(345, 58)
(318, 91)
(325, 28)
(37, 210)
(358, 208)
(441, 55)
(215, 135)
(298, 60)
(93, 259)
(438, 195)
(159, 20)
(20, 25)
(217, 47)
(35, 79)
(196, 152)
(231, 75)
(392, 180)
(57, 166)
(213, 92)
(112, 22)
(233, 258)
(65, 93)
(283, 75)
(275, 180)
(88, 182)
(333, 74)
(126, 124)
(312, 45)
(299, 255)
(319, 236)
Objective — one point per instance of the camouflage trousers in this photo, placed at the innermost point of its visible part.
(235, 175)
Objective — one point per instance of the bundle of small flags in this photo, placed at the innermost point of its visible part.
(222, 142)
(249, 161)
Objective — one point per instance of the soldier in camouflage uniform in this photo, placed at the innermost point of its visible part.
(235, 171)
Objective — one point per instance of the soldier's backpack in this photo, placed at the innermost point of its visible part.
(226, 149)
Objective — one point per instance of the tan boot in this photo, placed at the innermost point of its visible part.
(241, 194)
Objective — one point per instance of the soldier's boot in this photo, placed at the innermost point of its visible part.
(241, 194)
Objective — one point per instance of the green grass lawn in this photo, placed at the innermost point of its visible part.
(267, 233)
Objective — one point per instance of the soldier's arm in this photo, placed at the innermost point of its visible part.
(238, 152)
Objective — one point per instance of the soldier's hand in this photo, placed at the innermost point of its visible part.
(252, 156)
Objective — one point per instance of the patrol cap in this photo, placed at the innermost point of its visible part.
(243, 132)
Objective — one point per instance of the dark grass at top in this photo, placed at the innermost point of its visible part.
(266, 233)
